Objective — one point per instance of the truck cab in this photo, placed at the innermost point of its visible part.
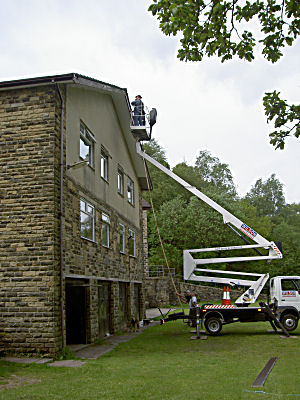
(285, 295)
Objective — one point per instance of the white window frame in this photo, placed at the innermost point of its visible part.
(105, 228)
(132, 237)
(120, 182)
(122, 237)
(130, 191)
(104, 164)
(87, 210)
(88, 139)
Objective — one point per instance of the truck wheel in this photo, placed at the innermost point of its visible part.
(289, 321)
(213, 325)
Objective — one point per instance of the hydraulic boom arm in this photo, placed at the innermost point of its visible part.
(190, 263)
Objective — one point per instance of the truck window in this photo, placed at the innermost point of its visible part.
(288, 284)
(297, 284)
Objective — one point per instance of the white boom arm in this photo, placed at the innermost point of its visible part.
(190, 263)
(249, 296)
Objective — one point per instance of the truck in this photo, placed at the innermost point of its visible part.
(282, 310)
(283, 307)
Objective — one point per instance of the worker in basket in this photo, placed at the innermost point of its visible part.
(138, 111)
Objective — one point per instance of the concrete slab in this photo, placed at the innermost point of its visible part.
(77, 347)
(28, 360)
(289, 337)
(201, 337)
(93, 352)
(67, 363)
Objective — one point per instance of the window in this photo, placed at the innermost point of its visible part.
(86, 145)
(131, 243)
(122, 238)
(289, 284)
(104, 164)
(87, 220)
(130, 191)
(120, 181)
(105, 230)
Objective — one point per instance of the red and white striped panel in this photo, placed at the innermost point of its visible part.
(220, 306)
(276, 249)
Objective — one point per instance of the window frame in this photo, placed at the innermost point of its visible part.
(122, 233)
(104, 164)
(90, 215)
(120, 181)
(132, 236)
(88, 139)
(130, 191)
(105, 225)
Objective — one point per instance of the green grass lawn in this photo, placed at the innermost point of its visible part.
(163, 363)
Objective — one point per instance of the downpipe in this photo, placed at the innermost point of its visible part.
(62, 313)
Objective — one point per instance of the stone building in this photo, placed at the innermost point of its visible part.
(71, 246)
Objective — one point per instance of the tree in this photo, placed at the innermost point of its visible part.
(210, 27)
(214, 172)
(267, 196)
(154, 150)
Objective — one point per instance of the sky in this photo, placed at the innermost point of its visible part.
(201, 106)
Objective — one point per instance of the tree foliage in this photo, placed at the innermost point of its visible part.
(225, 29)
(214, 27)
(267, 197)
(283, 114)
(215, 173)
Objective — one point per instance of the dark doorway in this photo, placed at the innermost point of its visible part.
(137, 301)
(123, 304)
(104, 308)
(76, 314)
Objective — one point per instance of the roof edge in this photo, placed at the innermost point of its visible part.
(52, 79)
(41, 80)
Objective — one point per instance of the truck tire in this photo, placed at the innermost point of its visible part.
(289, 321)
(213, 325)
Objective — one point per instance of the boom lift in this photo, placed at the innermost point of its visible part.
(283, 312)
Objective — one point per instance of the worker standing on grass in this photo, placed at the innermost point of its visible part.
(191, 300)
(192, 307)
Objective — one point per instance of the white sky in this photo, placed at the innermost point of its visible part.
(201, 106)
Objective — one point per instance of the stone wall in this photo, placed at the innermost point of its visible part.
(160, 291)
(28, 258)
